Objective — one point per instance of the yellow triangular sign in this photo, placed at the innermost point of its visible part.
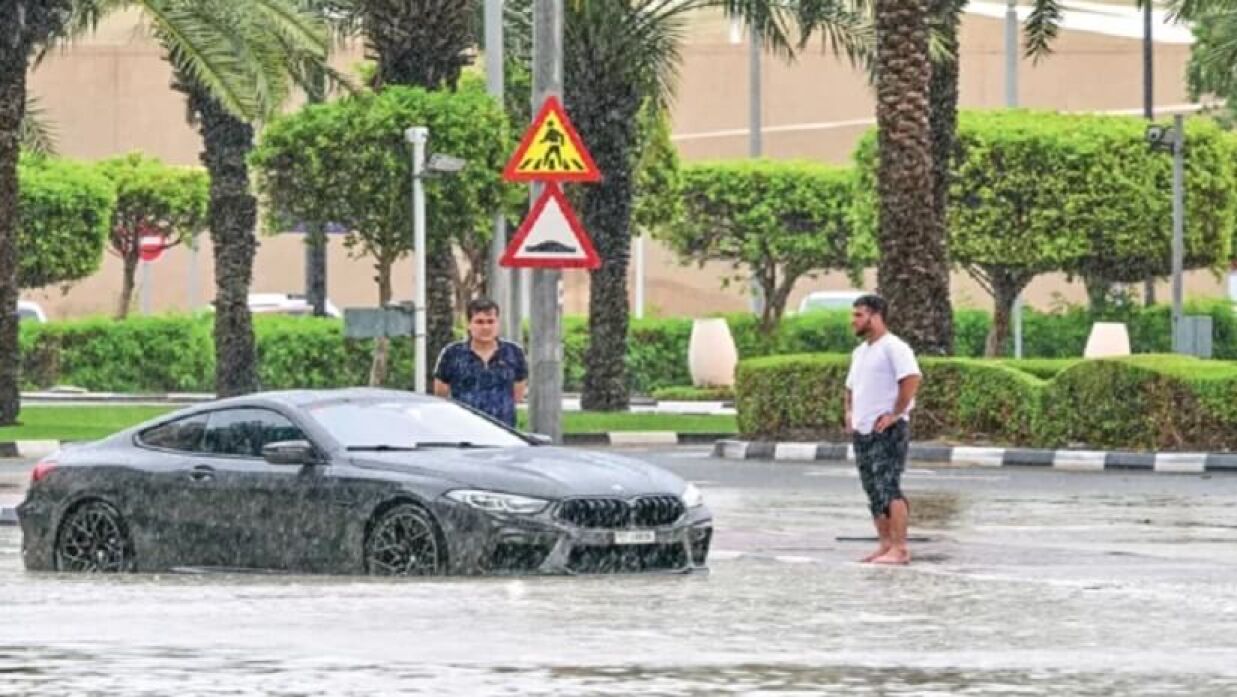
(551, 151)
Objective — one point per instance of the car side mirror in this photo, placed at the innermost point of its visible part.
(289, 452)
(539, 438)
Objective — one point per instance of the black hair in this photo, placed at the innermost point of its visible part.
(477, 306)
(875, 304)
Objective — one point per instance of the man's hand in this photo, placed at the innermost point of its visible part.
(885, 421)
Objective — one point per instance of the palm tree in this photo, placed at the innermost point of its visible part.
(944, 18)
(237, 62)
(914, 267)
(27, 27)
(620, 56)
(420, 43)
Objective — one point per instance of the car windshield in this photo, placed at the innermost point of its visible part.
(397, 425)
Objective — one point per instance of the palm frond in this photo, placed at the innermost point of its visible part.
(37, 133)
(1042, 27)
(199, 52)
(1195, 10)
(1213, 58)
(845, 28)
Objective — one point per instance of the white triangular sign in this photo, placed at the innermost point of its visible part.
(551, 237)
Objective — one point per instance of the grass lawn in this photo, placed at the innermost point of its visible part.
(76, 423)
(91, 422)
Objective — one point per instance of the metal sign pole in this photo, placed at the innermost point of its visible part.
(500, 278)
(545, 394)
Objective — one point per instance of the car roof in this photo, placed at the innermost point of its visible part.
(302, 398)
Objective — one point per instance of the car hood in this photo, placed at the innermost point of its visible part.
(544, 472)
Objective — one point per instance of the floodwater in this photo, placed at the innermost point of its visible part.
(1060, 589)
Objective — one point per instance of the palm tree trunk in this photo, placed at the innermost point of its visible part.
(943, 96)
(232, 215)
(914, 272)
(440, 296)
(606, 119)
(14, 53)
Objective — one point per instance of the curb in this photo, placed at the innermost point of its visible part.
(1067, 460)
(8, 515)
(29, 448)
(627, 438)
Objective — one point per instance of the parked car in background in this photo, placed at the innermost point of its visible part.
(29, 310)
(830, 300)
(284, 304)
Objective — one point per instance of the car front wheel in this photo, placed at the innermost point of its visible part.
(404, 541)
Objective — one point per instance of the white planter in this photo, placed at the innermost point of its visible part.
(711, 354)
(1107, 339)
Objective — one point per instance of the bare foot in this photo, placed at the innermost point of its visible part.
(894, 557)
(880, 552)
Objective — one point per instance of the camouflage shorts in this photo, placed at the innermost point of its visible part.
(881, 458)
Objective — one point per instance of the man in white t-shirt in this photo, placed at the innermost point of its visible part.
(880, 393)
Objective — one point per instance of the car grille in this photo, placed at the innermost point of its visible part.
(608, 559)
(642, 512)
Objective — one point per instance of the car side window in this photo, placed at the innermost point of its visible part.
(182, 434)
(244, 432)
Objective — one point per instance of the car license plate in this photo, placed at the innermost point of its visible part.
(635, 537)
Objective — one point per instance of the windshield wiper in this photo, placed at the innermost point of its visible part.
(381, 448)
(450, 444)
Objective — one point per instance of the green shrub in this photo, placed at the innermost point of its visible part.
(802, 397)
(1042, 368)
(1143, 402)
(693, 394)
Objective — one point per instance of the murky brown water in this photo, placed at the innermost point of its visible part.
(1032, 595)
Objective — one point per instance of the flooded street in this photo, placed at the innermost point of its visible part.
(1028, 583)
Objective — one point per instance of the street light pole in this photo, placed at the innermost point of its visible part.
(1011, 101)
(418, 137)
(1178, 226)
(755, 135)
(545, 393)
(500, 278)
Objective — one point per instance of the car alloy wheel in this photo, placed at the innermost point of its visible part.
(93, 539)
(404, 542)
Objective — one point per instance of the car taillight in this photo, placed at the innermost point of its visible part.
(41, 470)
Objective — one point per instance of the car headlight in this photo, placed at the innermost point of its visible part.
(692, 498)
(494, 502)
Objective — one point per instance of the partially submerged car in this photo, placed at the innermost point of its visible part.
(353, 481)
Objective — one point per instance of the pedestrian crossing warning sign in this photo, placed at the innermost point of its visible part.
(551, 151)
(551, 237)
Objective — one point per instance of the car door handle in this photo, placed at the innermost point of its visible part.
(202, 473)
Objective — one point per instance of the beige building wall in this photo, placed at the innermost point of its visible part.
(111, 94)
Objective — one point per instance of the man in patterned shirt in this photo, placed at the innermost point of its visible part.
(483, 371)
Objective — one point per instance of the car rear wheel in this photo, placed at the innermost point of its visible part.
(93, 538)
(404, 541)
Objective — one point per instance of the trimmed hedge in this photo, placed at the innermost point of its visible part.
(1153, 402)
(694, 394)
(176, 353)
(802, 398)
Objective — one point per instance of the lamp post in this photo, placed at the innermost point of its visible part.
(419, 136)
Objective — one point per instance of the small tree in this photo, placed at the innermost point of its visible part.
(779, 221)
(658, 200)
(66, 209)
(1033, 192)
(152, 199)
(348, 162)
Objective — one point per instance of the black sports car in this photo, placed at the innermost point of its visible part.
(353, 481)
